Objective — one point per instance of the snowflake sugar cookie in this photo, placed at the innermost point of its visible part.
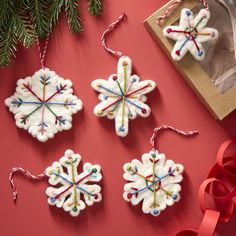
(190, 34)
(123, 96)
(73, 191)
(155, 181)
(44, 104)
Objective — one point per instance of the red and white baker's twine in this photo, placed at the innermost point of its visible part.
(42, 54)
(166, 127)
(25, 173)
(161, 19)
(107, 31)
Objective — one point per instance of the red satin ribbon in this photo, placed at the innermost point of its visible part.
(216, 186)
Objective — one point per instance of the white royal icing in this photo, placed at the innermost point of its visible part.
(155, 181)
(73, 191)
(44, 104)
(122, 96)
(190, 34)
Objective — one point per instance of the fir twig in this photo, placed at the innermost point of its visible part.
(54, 11)
(24, 31)
(39, 16)
(72, 13)
(94, 7)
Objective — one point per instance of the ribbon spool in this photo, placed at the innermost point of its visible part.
(217, 188)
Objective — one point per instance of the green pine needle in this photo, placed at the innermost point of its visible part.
(39, 15)
(24, 31)
(94, 7)
(23, 21)
(72, 13)
(8, 43)
(55, 9)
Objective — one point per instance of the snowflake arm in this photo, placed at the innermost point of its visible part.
(155, 181)
(190, 34)
(123, 96)
(73, 186)
(44, 104)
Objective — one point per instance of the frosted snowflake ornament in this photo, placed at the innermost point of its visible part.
(190, 34)
(155, 181)
(44, 104)
(73, 185)
(123, 96)
(72, 191)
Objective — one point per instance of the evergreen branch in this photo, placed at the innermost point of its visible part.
(54, 11)
(72, 13)
(94, 7)
(24, 31)
(38, 12)
(8, 43)
(6, 10)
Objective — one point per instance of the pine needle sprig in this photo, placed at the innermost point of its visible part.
(24, 21)
(72, 13)
(55, 9)
(15, 29)
(39, 16)
(94, 7)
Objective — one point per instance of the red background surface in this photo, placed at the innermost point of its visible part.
(81, 58)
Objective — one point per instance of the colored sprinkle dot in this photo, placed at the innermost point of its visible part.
(99, 113)
(111, 113)
(74, 209)
(105, 97)
(94, 170)
(174, 196)
(155, 212)
(200, 53)
(144, 111)
(169, 30)
(95, 196)
(153, 155)
(134, 80)
(121, 129)
(129, 195)
(52, 199)
(114, 77)
(188, 13)
(128, 168)
(125, 63)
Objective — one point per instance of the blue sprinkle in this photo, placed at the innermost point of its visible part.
(174, 196)
(105, 97)
(134, 80)
(188, 13)
(52, 199)
(155, 212)
(200, 53)
(121, 129)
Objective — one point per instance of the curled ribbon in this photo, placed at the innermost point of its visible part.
(217, 188)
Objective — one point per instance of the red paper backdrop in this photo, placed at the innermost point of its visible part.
(81, 58)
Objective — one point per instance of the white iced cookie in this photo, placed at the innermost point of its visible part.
(123, 96)
(155, 181)
(44, 104)
(190, 34)
(73, 191)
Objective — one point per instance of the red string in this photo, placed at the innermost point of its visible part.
(25, 173)
(42, 54)
(213, 187)
(167, 127)
(107, 31)
(161, 19)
